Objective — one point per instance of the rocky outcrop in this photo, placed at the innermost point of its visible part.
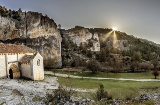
(81, 35)
(33, 30)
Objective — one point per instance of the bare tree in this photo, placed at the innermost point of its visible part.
(155, 73)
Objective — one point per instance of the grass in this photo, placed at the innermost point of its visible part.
(36, 98)
(118, 89)
(84, 95)
(144, 75)
(17, 92)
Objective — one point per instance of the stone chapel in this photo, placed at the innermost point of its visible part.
(20, 61)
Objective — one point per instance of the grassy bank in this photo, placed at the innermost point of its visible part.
(144, 75)
(118, 89)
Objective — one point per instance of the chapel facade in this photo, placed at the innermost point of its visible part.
(20, 61)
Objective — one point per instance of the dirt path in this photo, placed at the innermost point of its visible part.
(99, 78)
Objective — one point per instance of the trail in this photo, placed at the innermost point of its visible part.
(100, 78)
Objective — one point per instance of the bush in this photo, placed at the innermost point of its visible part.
(60, 96)
(155, 73)
(75, 63)
(101, 93)
(89, 54)
(93, 66)
(51, 63)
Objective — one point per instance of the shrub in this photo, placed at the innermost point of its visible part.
(60, 96)
(101, 93)
(93, 66)
(75, 63)
(89, 54)
(155, 73)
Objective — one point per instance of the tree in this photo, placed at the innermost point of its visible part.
(101, 93)
(89, 53)
(90, 44)
(3, 11)
(81, 46)
(51, 63)
(155, 73)
(65, 63)
(117, 65)
(59, 96)
(84, 51)
(75, 63)
(103, 54)
(154, 59)
(102, 44)
(93, 66)
(65, 43)
(136, 58)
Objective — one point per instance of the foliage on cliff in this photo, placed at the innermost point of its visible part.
(115, 55)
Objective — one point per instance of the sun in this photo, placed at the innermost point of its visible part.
(114, 29)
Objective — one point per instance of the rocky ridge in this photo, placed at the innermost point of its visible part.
(34, 30)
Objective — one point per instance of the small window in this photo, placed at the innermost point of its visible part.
(38, 62)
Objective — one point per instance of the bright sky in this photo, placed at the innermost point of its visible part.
(135, 17)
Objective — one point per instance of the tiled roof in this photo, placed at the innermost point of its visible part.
(12, 48)
(27, 58)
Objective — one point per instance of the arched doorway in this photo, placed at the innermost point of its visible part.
(10, 74)
(14, 72)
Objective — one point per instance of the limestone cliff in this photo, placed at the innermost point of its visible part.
(33, 30)
(81, 35)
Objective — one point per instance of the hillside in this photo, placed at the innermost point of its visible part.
(115, 48)
(126, 43)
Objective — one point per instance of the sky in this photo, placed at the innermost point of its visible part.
(140, 18)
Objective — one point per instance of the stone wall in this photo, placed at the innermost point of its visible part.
(38, 68)
(26, 71)
(2, 66)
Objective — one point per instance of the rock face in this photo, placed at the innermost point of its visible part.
(122, 45)
(113, 39)
(81, 35)
(33, 30)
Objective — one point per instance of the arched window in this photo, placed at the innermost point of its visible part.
(38, 62)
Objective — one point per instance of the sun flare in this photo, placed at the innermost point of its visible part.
(114, 40)
(114, 29)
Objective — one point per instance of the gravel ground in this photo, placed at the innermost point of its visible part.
(25, 92)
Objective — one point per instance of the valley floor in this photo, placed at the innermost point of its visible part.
(100, 78)
(27, 92)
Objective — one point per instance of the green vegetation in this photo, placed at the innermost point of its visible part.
(118, 89)
(155, 73)
(17, 92)
(59, 96)
(132, 54)
(144, 75)
(125, 102)
(136, 59)
(2, 103)
(36, 98)
(102, 93)
(12, 14)
(93, 66)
